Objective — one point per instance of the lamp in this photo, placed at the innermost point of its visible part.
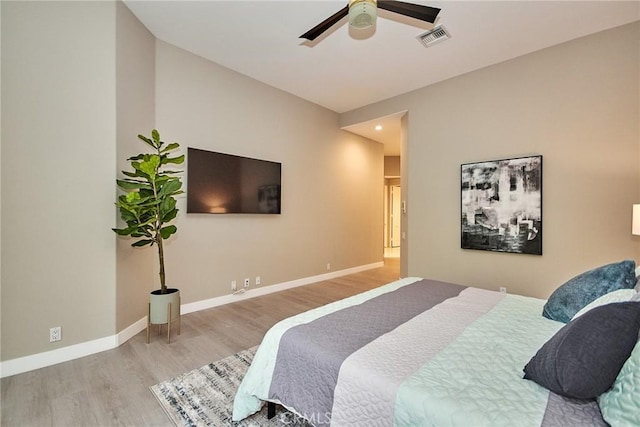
(635, 222)
(362, 13)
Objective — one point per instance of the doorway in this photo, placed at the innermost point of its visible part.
(390, 131)
(392, 218)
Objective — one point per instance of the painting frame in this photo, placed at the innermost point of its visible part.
(501, 205)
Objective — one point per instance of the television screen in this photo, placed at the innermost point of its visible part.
(223, 183)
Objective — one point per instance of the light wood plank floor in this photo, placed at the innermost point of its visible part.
(112, 388)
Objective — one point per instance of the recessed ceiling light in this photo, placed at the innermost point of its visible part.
(379, 127)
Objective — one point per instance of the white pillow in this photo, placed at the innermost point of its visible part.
(621, 295)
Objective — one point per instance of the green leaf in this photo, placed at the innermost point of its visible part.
(141, 243)
(170, 187)
(150, 166)
(169, 215)
(137, 179)
(176, 160)
(170, 147)
(131, 174)
(168, 231)
(147, 140)
(132, 197)
(168, 210)
(146, 191)
(129, 184)
(156, 137)
(167, 204)
(126, 215)
(136, 166)
(122, 231)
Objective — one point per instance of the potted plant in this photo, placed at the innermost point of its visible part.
(147, 206)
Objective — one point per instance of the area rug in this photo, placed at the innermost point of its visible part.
(204, 396)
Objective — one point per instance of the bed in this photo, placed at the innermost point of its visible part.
(414, 352)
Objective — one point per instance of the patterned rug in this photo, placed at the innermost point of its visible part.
(204, 396)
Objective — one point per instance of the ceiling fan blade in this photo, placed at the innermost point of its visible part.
(423, 13)
(325, 25)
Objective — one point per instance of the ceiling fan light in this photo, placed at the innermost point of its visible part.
(362, 13)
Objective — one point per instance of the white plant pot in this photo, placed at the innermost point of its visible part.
(164, 309)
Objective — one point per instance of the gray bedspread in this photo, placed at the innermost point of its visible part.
(413, 353)
(329, 340)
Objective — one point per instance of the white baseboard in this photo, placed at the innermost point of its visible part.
(256, 292)
(53, 357)
(132, 330)
(64, 354)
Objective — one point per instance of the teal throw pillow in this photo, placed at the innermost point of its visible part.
(579, 291)
(620, 406)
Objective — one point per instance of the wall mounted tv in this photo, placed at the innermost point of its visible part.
(225, 184)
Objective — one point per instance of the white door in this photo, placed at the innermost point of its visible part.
(395, 216)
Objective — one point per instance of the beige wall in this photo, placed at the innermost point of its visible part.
(577, 104)
(332, 181)
(135, 114)
(80, 80)
(76, 76)
(58, 153)
(392, 166)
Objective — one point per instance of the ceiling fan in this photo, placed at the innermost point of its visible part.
(362, 14)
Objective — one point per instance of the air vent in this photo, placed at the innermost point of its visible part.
(435, 36)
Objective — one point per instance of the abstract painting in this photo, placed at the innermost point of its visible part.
(502, 205)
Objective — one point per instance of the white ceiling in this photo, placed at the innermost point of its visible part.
(345, 69)
(382, 129)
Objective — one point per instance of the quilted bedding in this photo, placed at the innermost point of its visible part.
(412, 353)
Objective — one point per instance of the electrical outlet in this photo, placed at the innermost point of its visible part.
(55, 334)
(503, 290)
(328, 266)
(234, 286)
(257, 280)
(247, 282)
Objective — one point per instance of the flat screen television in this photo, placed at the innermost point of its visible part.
(221, 183)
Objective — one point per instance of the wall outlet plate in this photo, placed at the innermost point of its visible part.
(247, 282)
(257, 280)
(55, 334)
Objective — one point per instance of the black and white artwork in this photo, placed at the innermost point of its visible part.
(502, 205)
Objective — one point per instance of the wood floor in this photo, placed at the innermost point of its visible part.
(112, 388)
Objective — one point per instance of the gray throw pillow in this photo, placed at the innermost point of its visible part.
(579, 291)
(583, 359)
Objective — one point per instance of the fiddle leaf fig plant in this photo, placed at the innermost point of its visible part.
(148, 204)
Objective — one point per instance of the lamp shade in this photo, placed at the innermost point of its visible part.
(635, 224)
(362, 13)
